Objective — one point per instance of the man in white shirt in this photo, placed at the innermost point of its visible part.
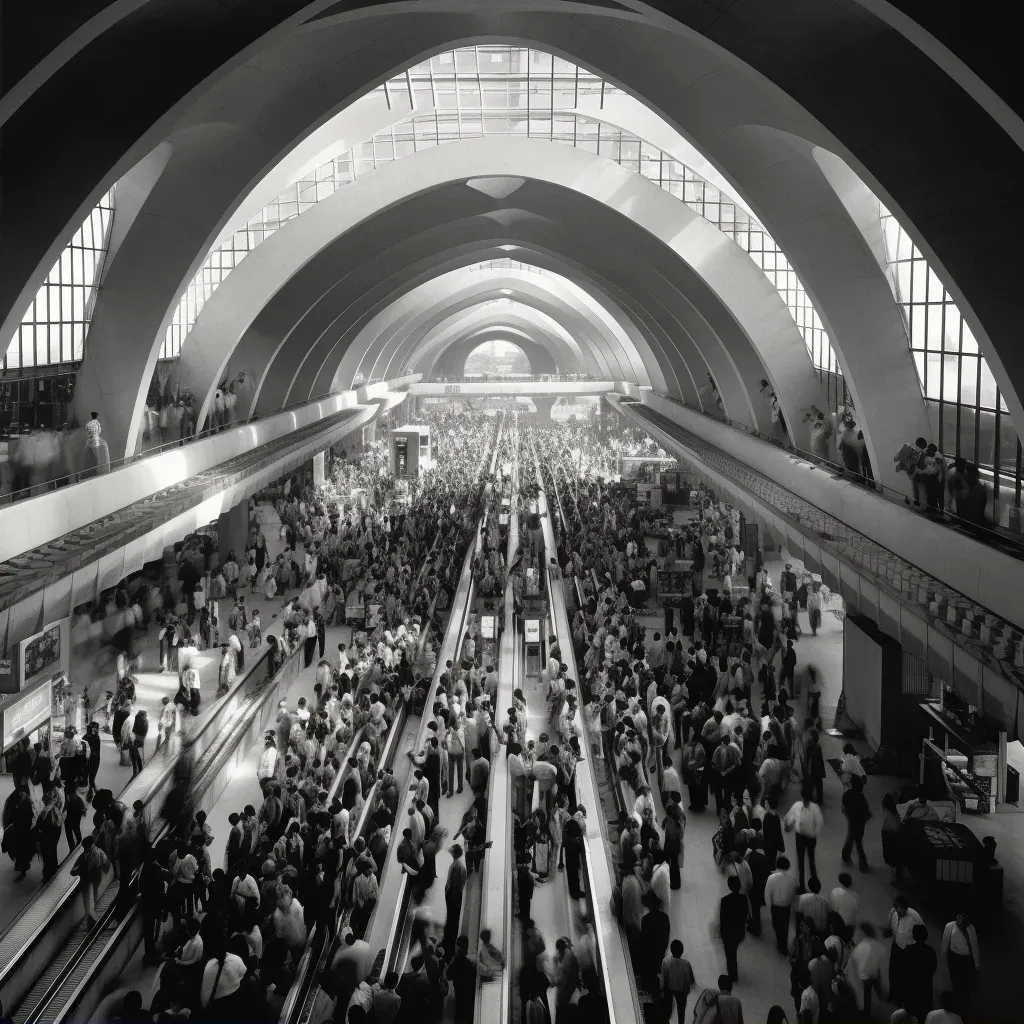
(779, 893)
(900, 926)
(804, 818)
(962, 954)
(864, 969)
(844, 901)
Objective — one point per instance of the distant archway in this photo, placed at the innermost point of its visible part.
(498, 357)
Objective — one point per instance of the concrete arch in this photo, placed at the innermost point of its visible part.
(744, 298)
(682, 62)
(329, 337)
(424, 339)
(451, 361)
(595, 326)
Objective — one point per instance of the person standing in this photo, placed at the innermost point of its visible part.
(453, 889)
(779, 893)
(804, 818)
(74, 812)
(899, 926)
(90, 868)
(676, 981)
(49, 826)
(919, 966)
(962, 954)
(732, 924)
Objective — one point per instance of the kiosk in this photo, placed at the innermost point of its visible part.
(409, 451)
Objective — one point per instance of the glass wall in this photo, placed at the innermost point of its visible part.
(54, 329)
(968, 415)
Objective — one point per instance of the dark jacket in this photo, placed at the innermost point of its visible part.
(732, 919)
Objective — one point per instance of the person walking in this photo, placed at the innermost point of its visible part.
(804, 818)
(779, 893)
(453, 889)
(899, 926)
(855, 808)
(49, 826)
(676, 981)
(962, 954)
(732, 924)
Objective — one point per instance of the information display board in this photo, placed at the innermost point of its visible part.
(487, 626)
(26, 714)
(674, 580)
(42, 651)
(531, 627)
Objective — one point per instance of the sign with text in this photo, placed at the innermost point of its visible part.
(26, 714)
(487, 625)
(532, 629)
(453, 389)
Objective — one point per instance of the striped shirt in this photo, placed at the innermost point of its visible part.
(92, 434)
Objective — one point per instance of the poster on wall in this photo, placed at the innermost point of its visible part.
(42, 651)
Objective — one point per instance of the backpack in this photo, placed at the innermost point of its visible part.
(705, 1010)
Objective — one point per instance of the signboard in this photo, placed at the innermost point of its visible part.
(503, 519)
(42, 651)
(487, 626)
(318, 469)
(674, 580)
(532, 630)
(26, 714)
(453, 389)
(5, 667)
(372, 616)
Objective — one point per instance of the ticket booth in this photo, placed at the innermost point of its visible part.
(531, 637)
(409, 451)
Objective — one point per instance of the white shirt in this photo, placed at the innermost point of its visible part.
(903, 927)
(805, 820)
(780, 889)
(845, 903)
(955, 941)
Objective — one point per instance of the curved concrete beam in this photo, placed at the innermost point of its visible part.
(824, 242)
(451, 361)
(595, 324)
(424, 339)
(283, 87)
(374, 303)
(743, 294)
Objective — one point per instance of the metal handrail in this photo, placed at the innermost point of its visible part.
(990, 533)
(68, 479)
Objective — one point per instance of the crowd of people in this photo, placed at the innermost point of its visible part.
(706, 707)
(721, 698)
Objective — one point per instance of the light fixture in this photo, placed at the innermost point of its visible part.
(506, 291)
(508, 248)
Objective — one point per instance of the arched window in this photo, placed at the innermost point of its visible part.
(497, 358)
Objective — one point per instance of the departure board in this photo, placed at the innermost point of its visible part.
(42, 652)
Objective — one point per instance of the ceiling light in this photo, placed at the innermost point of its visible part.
(506, 291)
(497, 187)
(508, 248)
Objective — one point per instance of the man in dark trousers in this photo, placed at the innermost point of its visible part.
(732, 924)
(152, 898)
(462, 975)
(453, 889)
(654, 935)
(525, 881)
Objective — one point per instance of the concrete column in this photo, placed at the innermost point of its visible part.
(233, 531)
(544, 403)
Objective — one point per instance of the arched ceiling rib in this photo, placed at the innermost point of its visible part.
(536, 344)
(140, 78)
(737, 299)
(623, 362)
(414, 340)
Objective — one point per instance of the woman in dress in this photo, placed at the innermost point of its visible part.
(541, 847)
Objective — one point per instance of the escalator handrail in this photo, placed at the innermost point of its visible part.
(606, 928)
(152, 780)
